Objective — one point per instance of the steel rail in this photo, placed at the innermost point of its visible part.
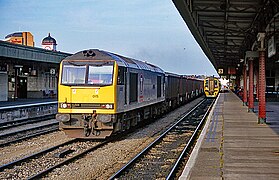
(15, 123)
(119, 172)
(29, 136)
(8, 165)
(29, 129)
(187, 148)
(73, 158)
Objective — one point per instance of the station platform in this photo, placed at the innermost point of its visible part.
(233, 145)
(26, 101)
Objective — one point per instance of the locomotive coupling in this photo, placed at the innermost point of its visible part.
(87, 124)
(90, 124)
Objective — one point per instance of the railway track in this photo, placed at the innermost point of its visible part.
(39, 164)
(21, 122)
(161, 159)
(19, 135)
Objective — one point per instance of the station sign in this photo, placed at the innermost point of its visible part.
(16, 41)
(52, 71)
(220, 71)
(271, 47)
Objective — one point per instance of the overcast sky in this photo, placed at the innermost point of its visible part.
(148, 30)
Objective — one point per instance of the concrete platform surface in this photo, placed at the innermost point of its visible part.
(234, 146)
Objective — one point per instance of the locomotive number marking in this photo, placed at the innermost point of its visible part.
(95, 96)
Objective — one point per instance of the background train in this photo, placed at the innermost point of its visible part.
(101, 93)
(212, 87)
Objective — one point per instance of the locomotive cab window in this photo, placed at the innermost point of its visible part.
(100, 75)
(84, 73)
(206, 83)
(73, 74)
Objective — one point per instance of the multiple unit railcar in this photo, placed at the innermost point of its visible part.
(101, 93)
(212, 87)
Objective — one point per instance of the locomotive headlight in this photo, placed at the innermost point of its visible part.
(107, 106)
(63, 117)
(64, 105)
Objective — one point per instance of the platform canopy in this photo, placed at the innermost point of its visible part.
(27, 53)
(226, 29)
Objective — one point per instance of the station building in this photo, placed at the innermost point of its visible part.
(23, 38)
(27, 71)
(49, 43)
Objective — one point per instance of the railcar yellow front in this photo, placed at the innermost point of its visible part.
(211, 87)
(87, 98)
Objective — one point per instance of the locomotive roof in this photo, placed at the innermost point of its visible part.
(96, 54)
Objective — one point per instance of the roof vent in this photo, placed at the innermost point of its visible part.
(88, 53)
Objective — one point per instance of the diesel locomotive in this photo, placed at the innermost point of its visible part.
(101, 93)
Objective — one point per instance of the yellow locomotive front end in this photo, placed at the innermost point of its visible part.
(87, 97)
(211, 87)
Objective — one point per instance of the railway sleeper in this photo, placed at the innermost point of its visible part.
(63, 153)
